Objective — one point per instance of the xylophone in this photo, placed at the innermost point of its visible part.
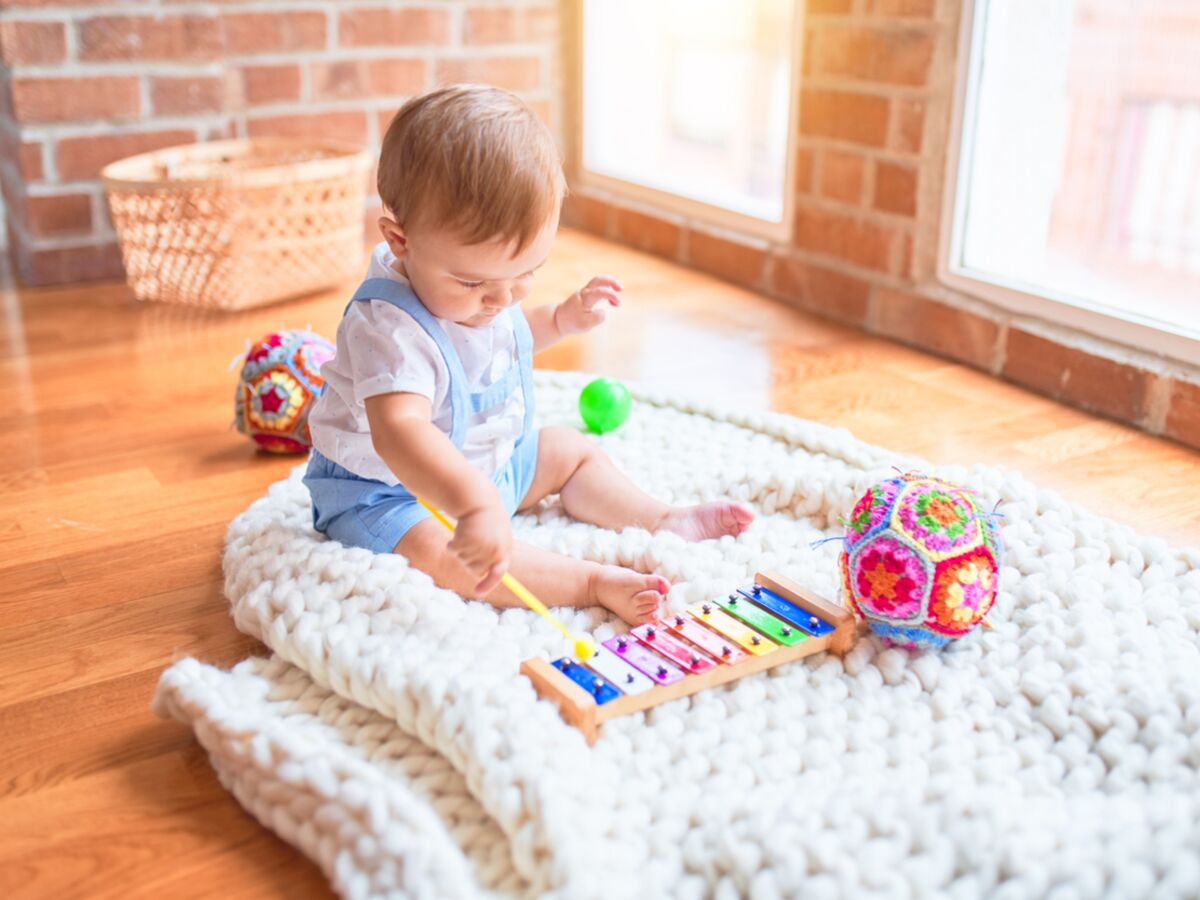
(766, 624)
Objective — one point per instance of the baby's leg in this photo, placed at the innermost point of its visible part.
(556, 580)
(594, 490)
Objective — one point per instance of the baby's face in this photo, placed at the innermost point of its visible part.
(471, 283)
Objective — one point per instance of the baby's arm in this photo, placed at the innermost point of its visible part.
(579, 312)
(430, 466)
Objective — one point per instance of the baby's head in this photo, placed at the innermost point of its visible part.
(473, 184)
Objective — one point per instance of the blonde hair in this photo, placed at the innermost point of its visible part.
(474, 160)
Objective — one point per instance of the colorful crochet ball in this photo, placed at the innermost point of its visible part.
(281, 376)
(921, 561)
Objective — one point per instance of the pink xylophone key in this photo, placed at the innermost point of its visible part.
(717, 646)
(683, 655)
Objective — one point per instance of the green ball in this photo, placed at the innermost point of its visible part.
(604, 405)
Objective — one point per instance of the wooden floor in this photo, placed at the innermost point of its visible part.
(122, 472)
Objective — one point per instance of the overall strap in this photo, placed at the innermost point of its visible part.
(524, 337)
(402, 297)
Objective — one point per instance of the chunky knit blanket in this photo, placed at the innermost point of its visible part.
(390, 737)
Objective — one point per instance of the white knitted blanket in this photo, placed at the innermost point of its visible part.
(391, 738)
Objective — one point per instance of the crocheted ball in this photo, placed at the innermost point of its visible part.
(921, 561)
(280, 378)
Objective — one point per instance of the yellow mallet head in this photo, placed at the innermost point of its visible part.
(584, 648)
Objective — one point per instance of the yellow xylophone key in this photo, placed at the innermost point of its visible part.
(743, 635)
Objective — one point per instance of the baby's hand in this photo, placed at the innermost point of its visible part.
(582, 311)
(483, 542)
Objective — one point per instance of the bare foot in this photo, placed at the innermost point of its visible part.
(631, 595)
(707, 520)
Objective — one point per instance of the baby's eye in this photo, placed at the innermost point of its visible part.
(470, 284)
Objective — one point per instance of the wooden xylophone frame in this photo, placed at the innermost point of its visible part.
(581, 710)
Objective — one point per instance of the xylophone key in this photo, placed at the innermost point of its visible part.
(621, 674)
(639, 656)
(787, 610)
(686, 657)
(759, 619)
(717, 646)
(602, 692)
(721, 621)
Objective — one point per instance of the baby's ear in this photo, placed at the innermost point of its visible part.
(393, 234)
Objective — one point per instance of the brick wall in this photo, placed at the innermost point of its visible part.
(875, 114)
(85, 82)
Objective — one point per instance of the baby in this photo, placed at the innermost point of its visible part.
(430, 393)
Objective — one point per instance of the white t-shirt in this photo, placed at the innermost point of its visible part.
(382, 349)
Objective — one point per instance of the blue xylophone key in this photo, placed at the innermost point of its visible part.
(786, 610)
(600, 690)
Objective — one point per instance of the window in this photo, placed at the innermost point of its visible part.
(692, 99)
(1076, 195)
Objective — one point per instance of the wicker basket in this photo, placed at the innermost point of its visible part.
(236, 224)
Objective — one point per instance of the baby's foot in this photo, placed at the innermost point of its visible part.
(631, 595)
(707, 520)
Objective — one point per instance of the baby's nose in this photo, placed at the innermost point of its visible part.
(499, 297)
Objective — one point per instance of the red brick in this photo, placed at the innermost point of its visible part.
(896, 188)
(32, 43)
(260, 32)
(361, 78)
(1106, 386)
(588, 213)
(873, 54)
(501, 25)
(516, 73)
(64, 265)
(50, 4)
(833, 294)
(909, 125)
(82, 158)
(904, 8)
(649, 233)
(187, 95)
(28, 155)
(174, 37)
(262, 85)
(934, 326)
(842, 176)
(827, 7)
(1183, 415)
(383, 119)
(75, 99)
(845, 236)
(732, 260)
(543, 110)
(804, 170)
(848, 116)
(378, 27)
(350, 125)
(904, 266)
(397, 77)
(48, 216)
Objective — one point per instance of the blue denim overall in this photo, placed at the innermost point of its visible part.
(364, 512)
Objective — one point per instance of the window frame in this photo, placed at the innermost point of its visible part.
(1054, 307)
(697, 210)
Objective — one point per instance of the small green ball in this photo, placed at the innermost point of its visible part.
(604, 405)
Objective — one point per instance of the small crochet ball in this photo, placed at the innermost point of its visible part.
(281, 376)
(921, 561)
